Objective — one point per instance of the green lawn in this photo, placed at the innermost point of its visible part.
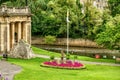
(44, 52)
(49, 53)
(33, 71)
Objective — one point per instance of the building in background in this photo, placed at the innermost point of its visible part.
(99, 4)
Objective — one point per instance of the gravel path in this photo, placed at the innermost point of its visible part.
(8, 70)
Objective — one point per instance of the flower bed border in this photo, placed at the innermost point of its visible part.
(60, 67)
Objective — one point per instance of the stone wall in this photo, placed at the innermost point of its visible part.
(63, 41)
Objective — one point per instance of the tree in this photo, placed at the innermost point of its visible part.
(114, 6)
(58, 8)
(2, 1)
(92, 19)
(49, 17)
(110, 37)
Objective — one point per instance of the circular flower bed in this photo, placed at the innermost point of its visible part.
(67, 64)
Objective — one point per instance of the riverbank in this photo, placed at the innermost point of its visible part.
(63, 42)
(91, 52)
(76, 46)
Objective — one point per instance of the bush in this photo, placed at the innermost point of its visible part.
(50, 39)
(68, 56)
(75, 57)
(52, 57)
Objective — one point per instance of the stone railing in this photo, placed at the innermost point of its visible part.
(13, 10)
(63, 42)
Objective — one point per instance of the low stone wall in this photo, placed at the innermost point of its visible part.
(63, 41)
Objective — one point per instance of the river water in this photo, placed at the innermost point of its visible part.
(76, 49)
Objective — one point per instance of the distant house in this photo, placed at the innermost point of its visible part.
(15, 24)
(100, 4)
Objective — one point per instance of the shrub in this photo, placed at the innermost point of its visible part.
(50, 39)
(52, 57)
(75, 57)
(68, 56)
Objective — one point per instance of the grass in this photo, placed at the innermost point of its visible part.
(33, 71)
(44, 52)
(84, 58)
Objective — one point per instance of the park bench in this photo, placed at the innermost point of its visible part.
(117, 60)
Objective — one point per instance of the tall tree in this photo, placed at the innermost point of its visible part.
(110, 37)
(91, 20)
(114, 6)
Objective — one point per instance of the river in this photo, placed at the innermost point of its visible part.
(77, 49)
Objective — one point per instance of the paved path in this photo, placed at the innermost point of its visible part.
(8, 70)
(85, 62)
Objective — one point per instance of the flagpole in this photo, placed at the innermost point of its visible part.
(67, 31)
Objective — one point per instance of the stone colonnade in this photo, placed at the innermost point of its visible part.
(12, 32)
(15, 24)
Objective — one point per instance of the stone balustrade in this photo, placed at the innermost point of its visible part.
(13, 10)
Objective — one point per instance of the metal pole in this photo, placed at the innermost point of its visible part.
(67, 31)
(67, 37)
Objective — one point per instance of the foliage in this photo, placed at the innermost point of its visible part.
(49, 17)
(67, 56)
(3, 1)
(114, 6)
(110, 37)
(75, 57)
(92, 19)
(50, 39)
(105, 18)
(52, 57)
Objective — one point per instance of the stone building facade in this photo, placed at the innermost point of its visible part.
(15, 24)
(99, 4)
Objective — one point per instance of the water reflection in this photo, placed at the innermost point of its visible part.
(76, 49)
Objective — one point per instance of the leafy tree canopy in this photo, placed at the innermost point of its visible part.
(110, 37)
(114, 6)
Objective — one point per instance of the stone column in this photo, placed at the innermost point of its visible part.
(2, 37)
(5, 36)
(25, 31)
(28, 32)
(13, 33)
(19, 31)
(8, 37)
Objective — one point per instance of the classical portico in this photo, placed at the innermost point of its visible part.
(15, 24)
